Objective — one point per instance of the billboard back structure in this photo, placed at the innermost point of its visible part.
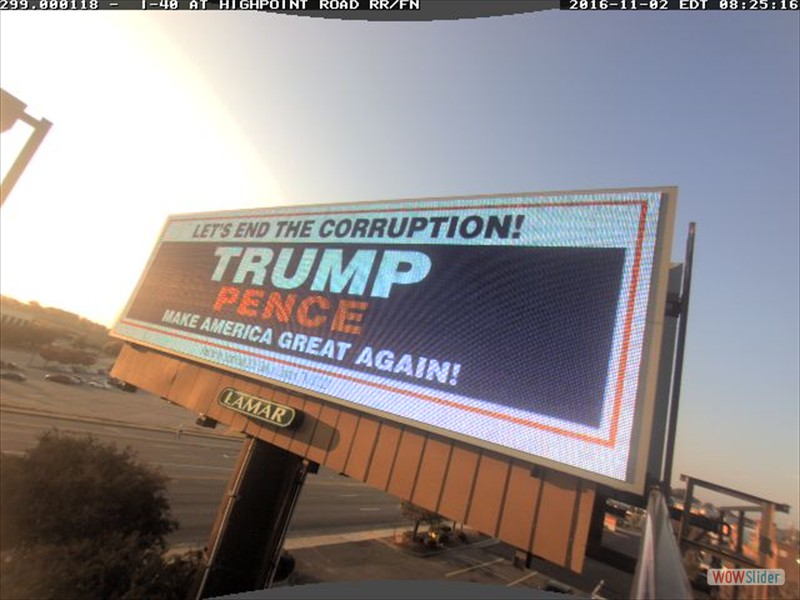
(528, 325)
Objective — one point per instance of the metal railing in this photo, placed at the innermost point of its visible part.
(659, 571)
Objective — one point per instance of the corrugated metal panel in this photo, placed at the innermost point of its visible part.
(302, 432)
(346, 428)
(204, 391)
(487, 494)
(380, 467)
(547, 515)
(214, 410)
(551, 536)
(301, 444)
(324, 434)
(132, 361)
(406, 464)
(457, 489)
(519, 508)
(580, 533)
(159, 374)
(431, 474)
(361, 449)
(182, 384)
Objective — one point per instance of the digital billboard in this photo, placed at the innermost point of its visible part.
(525, 324)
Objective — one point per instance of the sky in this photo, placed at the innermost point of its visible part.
(163, 113)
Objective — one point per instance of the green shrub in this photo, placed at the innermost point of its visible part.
(81, 519)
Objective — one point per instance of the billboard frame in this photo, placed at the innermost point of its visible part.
(653, 327)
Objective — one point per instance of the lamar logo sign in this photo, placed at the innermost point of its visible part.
(258, 408)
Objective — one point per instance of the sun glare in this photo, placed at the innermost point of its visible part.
(137, 135)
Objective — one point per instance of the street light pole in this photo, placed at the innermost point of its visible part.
(12, 110)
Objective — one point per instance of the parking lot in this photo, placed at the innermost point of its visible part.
(84, 400)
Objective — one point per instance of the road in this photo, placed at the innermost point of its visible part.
(199, 465)
(198, 468)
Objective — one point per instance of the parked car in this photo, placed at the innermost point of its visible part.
(12, 375)
(62, 378)
(100, 385)
(9, 366)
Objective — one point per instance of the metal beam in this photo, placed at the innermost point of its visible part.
(246, 540)
(40, 129)
(734, 558)
(683, 306)
(745, 508)
(714, 487)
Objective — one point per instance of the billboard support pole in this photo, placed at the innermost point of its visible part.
(246, 540)
(679, 352)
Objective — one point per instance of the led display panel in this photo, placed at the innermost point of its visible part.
(525, 324)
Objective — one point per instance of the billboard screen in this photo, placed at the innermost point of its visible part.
(517, 323)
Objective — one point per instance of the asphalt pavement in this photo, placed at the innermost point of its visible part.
(198, 467)
(342, 530)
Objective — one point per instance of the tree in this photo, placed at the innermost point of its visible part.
(29, 335)
(82, 519)
(113, 567)
(41, 334)
(86, 359)
(49, 353)
(67, 355)
(71, 488)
